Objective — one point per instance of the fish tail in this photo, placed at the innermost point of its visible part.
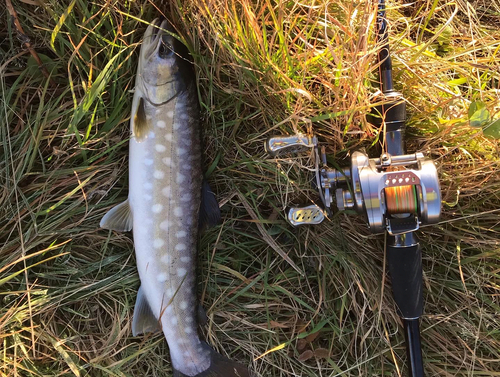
(220, 366)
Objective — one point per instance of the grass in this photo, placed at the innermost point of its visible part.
(67, 288)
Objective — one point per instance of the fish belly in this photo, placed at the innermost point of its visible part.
(165, 193)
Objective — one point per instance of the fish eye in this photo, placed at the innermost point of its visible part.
(166, 49)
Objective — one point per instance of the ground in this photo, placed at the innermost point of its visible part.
(67, 287)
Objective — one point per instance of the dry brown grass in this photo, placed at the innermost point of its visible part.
(67, 288)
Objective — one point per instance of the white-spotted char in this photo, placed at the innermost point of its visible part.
(163, 207)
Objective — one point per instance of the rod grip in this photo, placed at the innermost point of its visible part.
(405, 269)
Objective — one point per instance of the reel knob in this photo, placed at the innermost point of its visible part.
(310, 215)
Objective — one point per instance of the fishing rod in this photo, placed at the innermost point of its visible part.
(397, 192)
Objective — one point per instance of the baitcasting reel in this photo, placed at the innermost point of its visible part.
(397, 193)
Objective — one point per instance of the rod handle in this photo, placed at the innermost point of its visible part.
(404, 259)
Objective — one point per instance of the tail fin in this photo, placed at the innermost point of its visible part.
(221, 367)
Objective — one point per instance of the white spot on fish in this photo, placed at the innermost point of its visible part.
(180, 247)
(167, 161)
(178, 211)
(149, 117)
(148, 185)
(167, 191)
(157, 208)
(188, 330)
(177, 125)
(148, 161)
(183, 305)
(158, 242)
(162, 277)
(161, 124)
(173, 321)
(160, 148)
(148, 197)
(158, 174)
(185, 198)
(164, 225)
(186, 259)
(181, 272)
(180, 178)
(168, 137)
(180, 234)
(170, 114)
(165, 259)
(181, 151)
(151, 135)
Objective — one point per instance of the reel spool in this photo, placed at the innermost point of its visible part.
(397, 193)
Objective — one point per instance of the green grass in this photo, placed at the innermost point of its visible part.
(67, 288)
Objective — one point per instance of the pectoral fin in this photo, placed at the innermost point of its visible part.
(144, 320)
(118, 218)
(139, 123)
(209, 208)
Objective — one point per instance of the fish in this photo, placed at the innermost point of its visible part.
(168, 203)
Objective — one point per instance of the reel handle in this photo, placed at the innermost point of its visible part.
(298, 142)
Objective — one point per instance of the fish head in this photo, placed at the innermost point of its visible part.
(164, 65)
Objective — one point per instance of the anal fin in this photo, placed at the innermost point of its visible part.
(118, 218)
(144, 320)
